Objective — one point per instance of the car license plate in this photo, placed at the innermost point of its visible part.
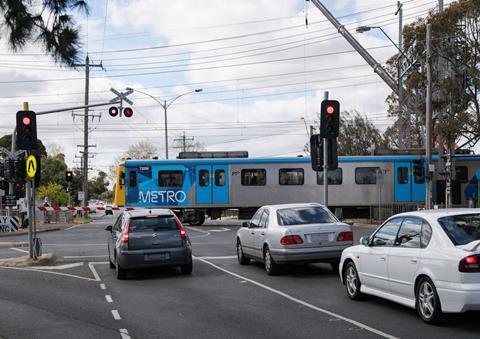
(157, 256)
(319, 237)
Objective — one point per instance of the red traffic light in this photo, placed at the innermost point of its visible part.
(26, 120)
(128, 112)
(113, 111)
(330, 109)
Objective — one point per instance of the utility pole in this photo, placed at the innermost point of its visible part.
(401, 119)
(87, 66)
(428, 123)
(325, 162)
(184, 140)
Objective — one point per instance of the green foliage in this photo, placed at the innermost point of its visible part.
(55, 194)
(6, 141)
(98, 186)
(357, 135)
(53, 170)
(48, 22)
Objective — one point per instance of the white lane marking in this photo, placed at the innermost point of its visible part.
(72, 227)
(19, 250)
(103, 287)
(48, 272)
(61, 267)
(109, 298)
(72, 245)
(221, 257)
(84, 256)
(116, 315)
(204, 233)
(222, 229)
(301, 302)
(124, 333)
(94, 272)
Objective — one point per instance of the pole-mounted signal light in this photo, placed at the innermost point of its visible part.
(128, 112)
(329, 118)
(69, 176)
(26, 130)
(113, 111)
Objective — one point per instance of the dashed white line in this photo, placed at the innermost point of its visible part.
(103, 287)
(109, 298)
(220, 257)
(124, 333)
(19, 250)
(84, 256)
(116, 315)
(301, 302)
(94, 272)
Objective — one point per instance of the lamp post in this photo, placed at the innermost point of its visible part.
(166, 104)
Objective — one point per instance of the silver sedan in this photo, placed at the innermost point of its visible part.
(292, 233)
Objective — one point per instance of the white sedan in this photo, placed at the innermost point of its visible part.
(292, 233)
(428, 260)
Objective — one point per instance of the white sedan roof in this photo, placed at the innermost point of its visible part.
(296, 205)
(439, 213)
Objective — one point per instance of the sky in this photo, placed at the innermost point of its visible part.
(262, 70)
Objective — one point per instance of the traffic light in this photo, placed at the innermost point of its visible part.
(316, 152)
(418, 170)
(26, 130)
(113, 111)
(332, 156)
(69, 176)
(128, 112)
(329, 118)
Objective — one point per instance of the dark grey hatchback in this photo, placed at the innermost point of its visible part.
(148, 238)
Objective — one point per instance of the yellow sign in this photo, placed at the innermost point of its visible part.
(31, 164)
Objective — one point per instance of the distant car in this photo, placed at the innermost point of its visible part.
(292, 233)
(428, 260)
(148, 238)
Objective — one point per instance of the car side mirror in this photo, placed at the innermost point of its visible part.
(109, 228)
(365, 240)
(246, 224)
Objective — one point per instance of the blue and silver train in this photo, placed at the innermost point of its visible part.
(195, 188)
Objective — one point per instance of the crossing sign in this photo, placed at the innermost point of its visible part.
(31, 164)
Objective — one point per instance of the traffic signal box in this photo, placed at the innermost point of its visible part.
(418, 169)
(26, 130)
(329, 119)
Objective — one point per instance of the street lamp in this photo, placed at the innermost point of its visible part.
(166, 104)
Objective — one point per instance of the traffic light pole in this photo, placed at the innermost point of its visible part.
(325, 163)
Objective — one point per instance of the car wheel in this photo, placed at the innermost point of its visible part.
(121, 272)
(187, 269)
(271, 266)
(427, 302)
(242, 259)
(198, 220)
(334, 265)
(352, 282)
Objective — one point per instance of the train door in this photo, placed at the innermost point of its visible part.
(402, 178)
(418, 185)
(212, 184)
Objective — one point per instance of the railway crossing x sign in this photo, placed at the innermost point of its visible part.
(31, 165)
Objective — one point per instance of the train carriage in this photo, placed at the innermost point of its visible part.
(195, 187)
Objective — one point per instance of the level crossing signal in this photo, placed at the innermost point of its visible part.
(26, 130)
(329, 119)
(114, 111)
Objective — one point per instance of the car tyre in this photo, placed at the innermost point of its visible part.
(198, 220)
(334, 265)
(427, 302)
(242, 259)
(271, 266)
(187, 269)
(121, 272)
(352, 282)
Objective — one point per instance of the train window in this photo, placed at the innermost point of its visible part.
(366, 175)
(254, 177)
(461, 174)
(402, 175)
(334, 177)
(170, 178)
(132, 176)
(219, 178)
(290, 176)
(204, 178)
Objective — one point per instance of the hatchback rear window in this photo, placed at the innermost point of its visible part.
(461, 229)
(304, 216)
(153, 224)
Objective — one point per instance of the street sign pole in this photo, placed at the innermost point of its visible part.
(325, 162)
(29, 218)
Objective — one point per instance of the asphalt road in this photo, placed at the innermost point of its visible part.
(221, 299)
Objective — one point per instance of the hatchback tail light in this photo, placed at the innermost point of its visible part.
(470, 264)
(291, 240)
(126, 232)
(345, 236)
(183, 233)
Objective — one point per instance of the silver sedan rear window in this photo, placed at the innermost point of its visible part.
(304, 216)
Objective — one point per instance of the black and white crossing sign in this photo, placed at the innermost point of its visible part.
(10, 200)
(9, 224)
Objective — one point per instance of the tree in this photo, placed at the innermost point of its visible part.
(357, 135)
(53, 170)
(455, 76)
(48, 22)
(6, 141)
(98, 185)
(55, 193)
